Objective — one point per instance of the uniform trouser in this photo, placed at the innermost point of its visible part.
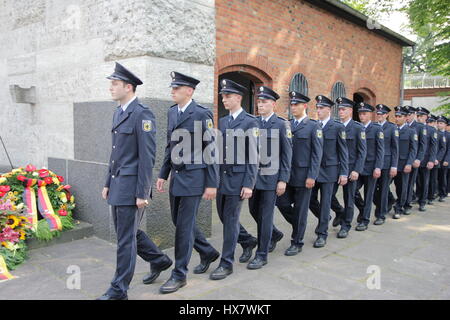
(423, 179)
(349, 201)
(229, 209)
(433, 184)
(411, 183)
(335, 205)
(448, 180)
(261, 206)
(381, 195)
(131, 242)
(365, 205)
(295, 215)
(401, 189)
(322, 210)
(442, 181)
(187, 235)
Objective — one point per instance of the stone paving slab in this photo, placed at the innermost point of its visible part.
(412, 254)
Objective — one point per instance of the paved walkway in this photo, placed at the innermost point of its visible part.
(412, 255)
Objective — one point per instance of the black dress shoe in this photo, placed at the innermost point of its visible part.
(342, 234)
(407, 211)
(256, 263)
(293, 250)
(359, 218)
(172, 285)
(154, 272)
(204, 264)
(361, 227)
(422, 208)
(396, 215)
(108, 297)
(378, 222)
(320, 243)
(441, 199)
(220, 273)
(414, 201)
(273, 242)
(337, 219)
(247, 253)
(430, 202)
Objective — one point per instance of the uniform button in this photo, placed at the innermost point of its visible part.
(114, 147)
(176, 171)
(115, 131)
(113, 177)
(224, 172)
(113, 161)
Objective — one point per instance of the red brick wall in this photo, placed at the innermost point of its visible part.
(274, 39)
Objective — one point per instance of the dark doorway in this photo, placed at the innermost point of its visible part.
(248, 101)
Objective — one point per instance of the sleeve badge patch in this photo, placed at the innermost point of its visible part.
(147, 125)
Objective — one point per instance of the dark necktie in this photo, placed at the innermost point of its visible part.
(121, 111)
(180, 113)
(321, 124)
(230, 120)
(264, 123)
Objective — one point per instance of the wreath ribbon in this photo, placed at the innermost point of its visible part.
(43, 204)
(4, 273)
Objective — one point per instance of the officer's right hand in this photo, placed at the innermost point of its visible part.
(310, 183)
(105, 192)
(160, 185)
(416, 164)
(445, 164)
(246, 193)
(376, 173)
(354, 176)
(407, 169)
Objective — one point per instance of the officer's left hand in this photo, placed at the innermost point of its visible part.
(246, 193)
(281, 188)
(393, 172)
(210, 193)
(436, 162)
(430, 165)
(445, 164)
(141, 203)
(376, 173)
(342, 180)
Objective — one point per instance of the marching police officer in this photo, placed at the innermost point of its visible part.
(408, 144)
(128, 182)
(357, 150)
(421, 133)
(442, 157)
(389, 169)
(372, 165)
(333, 167)
(440, 153)
(307, 152)
(273, 174)
(191, 177)
(429, 159)
(238, 172)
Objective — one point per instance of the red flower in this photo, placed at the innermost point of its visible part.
(21, 178)
(5, 189)
(30, 168)
(2, 194)
(48, 180)
(62, 212)
(67, 187)
(60, 178)
(43, 173)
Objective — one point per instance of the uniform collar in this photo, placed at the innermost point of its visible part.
(382, 123)
(125, 106)
(301, 119)
(347, 122)
(236, 113)
(403, 125)
(268, 118)
(368, 124)
(183, 109)
(324, 122)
